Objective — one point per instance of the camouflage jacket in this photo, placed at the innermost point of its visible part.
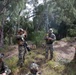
(2, 67)
(50, 38)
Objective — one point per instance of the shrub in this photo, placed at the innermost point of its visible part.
(38, 37)
(72, 32)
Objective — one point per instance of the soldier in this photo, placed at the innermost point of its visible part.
(4, 70)
(22, 46)
(50, 38)
(21, 39)
(24, 36)
(34, 69)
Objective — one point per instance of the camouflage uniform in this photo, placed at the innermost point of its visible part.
(21, 54)
(21, 49)
(3, 67)
(49, 43)
(34, 69)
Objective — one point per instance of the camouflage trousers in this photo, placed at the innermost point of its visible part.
(7, 71)
(49, 51)
(21, 55)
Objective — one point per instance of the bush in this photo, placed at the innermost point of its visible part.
(72, 32)
(56, 66)
(14, 40)
(6, 41)
(38, 37)
(12, 63)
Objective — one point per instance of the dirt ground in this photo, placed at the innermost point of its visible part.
(64, 53)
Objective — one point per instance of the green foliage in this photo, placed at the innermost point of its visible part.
(59, 12)
(72, 32)
(56, 66)
(5, 49)
(6, 41)
(55, 31)
(38, 37)
(12, 63)
(14, 39)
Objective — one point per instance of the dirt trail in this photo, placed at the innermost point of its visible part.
(64, 53)
(62, 49)
(12, 53)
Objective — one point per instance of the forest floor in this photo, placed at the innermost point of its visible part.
(61, 64)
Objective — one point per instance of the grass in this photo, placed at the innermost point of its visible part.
(56, 66)
(66, 39)
(12, 63)
(51, 67)
(5, 49)
(40, 56)
(56, 42)
(48, 71)
(61, 69)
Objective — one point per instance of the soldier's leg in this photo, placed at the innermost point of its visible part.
(47, 49)
(51, 52)
(20, 61)
(24, 54)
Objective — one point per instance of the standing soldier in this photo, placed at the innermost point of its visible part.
(21, 47)
(50, 38)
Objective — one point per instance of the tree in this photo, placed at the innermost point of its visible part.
(2, 19)
(14, 8)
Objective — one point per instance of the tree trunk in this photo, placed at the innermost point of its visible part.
(35, 23)
(10, 40)
(16, 29)
(75, 55)
(2, 22)
(46, 16)
(1, 36)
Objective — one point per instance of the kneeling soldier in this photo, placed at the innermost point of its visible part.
(4, 70)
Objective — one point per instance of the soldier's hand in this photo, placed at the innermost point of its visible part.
(46, 38)
(49, 38)
(4, 74)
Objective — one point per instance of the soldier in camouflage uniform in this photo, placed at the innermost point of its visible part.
(4, 70)
(22, 50)
(34, 69)
(50, 38)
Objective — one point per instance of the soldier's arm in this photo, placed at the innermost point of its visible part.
(25, 34)
(46, 37)
(53, 38)
(18, 36)
(3, 67)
